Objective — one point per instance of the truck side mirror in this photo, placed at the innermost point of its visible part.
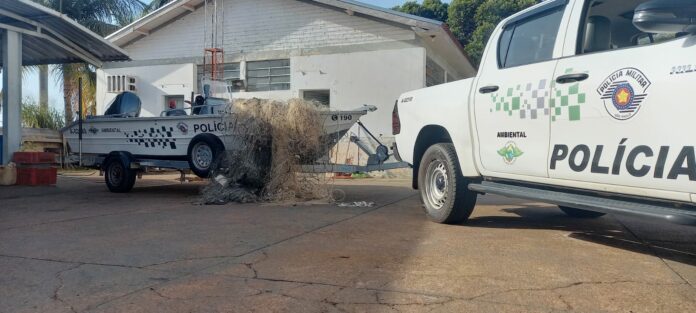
(666, 16)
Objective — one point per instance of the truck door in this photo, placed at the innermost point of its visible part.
(624, 113)
(513, 92)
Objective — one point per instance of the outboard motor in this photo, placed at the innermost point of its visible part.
(126, 104)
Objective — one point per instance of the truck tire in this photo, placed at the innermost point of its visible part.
(118, 176)
(580, 213)
(203, 154)
(444, 192)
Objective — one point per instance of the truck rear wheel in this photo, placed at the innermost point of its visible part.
(444, 193)
(118, 176)
(580, 213)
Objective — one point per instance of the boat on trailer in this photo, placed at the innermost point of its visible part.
(121, 143)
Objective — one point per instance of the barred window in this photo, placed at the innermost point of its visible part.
(434, 73)
(321, 96)
(231, 72)
(268, 75)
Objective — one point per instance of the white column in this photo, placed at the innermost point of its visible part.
(12, 93)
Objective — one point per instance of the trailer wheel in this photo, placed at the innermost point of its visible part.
(444, 193)
(203, 154)
(118, 175)
(580, 213)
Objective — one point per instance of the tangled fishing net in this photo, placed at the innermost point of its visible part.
(266, 142)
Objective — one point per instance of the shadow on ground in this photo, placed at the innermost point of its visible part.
(651, 237)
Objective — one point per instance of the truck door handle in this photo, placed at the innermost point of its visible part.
(571, 78)
(489, 89)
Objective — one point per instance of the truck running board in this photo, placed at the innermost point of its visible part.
(590, 203)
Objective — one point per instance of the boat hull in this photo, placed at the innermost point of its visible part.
(169, 137)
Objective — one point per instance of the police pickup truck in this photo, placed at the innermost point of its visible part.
(587, 104)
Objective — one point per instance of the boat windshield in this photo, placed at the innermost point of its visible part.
(126, 104)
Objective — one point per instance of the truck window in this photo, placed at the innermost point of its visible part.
(504, 45)
(608, 25)
(531, 40)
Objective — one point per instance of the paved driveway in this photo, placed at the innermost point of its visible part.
(77, 248)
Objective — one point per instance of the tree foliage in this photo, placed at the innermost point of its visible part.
(432, 9)
(102, 17)
(471, 21)
(462, 18)
(154, 5)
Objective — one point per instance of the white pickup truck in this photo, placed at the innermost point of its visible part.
(587, 104)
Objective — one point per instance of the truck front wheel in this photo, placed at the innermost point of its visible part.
(444, 192)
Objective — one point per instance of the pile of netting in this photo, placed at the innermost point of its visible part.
(266, 143)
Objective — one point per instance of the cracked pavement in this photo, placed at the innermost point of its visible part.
(79, 248)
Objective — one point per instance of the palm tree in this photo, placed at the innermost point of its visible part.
(154, 5)
(100, 16)
(43, 85)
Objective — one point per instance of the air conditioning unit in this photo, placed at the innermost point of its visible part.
(234, 85)
(120, 83)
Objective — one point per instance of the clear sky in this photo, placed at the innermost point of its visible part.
(55, 93)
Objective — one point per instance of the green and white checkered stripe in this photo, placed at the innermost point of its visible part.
(528, 102)
(567, 101)
(534, 101)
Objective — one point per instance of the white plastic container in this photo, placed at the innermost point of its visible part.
(8, 175)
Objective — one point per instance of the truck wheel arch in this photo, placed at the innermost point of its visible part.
(428, 136)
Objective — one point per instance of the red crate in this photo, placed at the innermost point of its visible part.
(36, 176)
(34, 158)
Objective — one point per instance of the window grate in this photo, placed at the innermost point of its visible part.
(231, 71)
(268, 75)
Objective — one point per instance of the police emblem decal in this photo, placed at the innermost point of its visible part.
(623, 92)
(183, 127)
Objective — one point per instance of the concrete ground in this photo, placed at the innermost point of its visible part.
(79, 248)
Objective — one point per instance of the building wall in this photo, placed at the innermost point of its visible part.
(360, 60)
(266, 25)
(353, 79)
(152, 83)
(374, 78)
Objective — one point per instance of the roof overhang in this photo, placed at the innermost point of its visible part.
(435, 33)
(154, 20)
(51, 38)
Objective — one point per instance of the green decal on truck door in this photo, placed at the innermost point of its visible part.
(528, 103)
(534, 101)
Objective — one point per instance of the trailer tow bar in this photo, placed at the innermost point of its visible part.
(375, 161)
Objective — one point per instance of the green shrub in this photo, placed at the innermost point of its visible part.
(36, 116)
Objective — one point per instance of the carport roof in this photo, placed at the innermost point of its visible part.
(51, 38)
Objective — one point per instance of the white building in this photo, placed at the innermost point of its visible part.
(341, 52)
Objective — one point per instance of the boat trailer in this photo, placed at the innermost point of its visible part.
(377, 160)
